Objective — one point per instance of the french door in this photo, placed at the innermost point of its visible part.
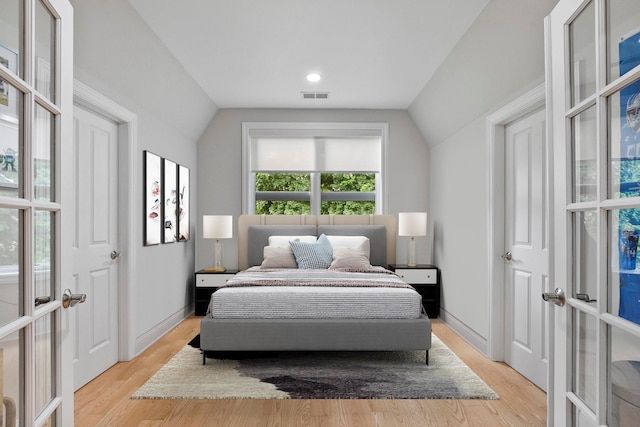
(595, 89)
(36, 77)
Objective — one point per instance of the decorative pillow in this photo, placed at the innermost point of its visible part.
(283, 241)
(277, 257)
(350, 261)
(362, 248)
(313, 255)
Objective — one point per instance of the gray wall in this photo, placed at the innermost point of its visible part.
(220, 180)
(117, 55)
(499, 58)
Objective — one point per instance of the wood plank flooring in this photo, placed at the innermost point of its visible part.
(106, 401)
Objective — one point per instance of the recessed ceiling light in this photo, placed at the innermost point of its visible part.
(313, 77)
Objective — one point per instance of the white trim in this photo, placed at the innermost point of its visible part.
(496, 122)
(127, 121)
(465, 332)
(148, 338)
(550, 321)
(250, 129)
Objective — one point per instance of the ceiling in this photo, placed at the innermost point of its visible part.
(256, 54)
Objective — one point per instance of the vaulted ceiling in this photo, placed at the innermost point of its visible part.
(251, 53)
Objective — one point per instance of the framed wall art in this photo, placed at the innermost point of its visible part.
(170, 201)
(152, 198)
(183, 203)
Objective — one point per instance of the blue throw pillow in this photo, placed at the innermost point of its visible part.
(313, 255)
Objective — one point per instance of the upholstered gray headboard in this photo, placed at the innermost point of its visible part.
(254, 232)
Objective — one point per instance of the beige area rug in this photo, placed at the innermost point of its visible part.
(317, 375)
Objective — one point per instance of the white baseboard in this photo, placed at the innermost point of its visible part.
(465, 332)
(147, 339)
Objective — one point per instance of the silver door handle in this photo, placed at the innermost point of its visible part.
(115, 254)
(585, 298)
(70, 300)
(507, 256)
(42, 300)
(556, 297)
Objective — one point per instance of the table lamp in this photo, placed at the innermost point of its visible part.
(217, 227)
(412, 224)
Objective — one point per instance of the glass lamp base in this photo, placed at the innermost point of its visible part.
(217, 266)
(412, 252)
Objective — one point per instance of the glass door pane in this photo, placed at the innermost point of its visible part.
(12, 377)
(45, 53)
(624, 142)
(624, 378)
(11, 36)
(584, 358)
(11, 137)
(623, 33)
(585, 156)
(44, 356)
(43, 166)
(624, 277)
(43, 254)
(11, 275)
(585, 252)
(583, 55)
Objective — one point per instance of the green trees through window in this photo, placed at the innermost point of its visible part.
(292, 194)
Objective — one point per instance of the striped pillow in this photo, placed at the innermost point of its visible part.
(313, 255)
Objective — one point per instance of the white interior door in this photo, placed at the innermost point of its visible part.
(96, 250)
(526, 233)
(36, 92)
(595, 76)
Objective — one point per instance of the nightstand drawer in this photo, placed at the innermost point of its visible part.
(426, 275)
(212, 280)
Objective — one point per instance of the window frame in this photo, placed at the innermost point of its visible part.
(314, 129)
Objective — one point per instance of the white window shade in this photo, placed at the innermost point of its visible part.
(316, 154)
(283, 154)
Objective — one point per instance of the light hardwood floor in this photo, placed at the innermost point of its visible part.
(106, 401)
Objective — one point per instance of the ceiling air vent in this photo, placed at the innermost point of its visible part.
(315, 95)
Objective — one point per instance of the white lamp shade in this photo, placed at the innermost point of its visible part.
(412, 224)
(217, 226)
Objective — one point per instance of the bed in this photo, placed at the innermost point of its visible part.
(279, 307)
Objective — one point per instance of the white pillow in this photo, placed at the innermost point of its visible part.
(277, 257)
(283, 241)
(363, 248)
(349, 241)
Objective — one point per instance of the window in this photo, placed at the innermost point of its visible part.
(313, 168)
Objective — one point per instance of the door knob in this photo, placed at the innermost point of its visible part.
(556, 297)
(69, 299)
(115, 254)
(507, 256)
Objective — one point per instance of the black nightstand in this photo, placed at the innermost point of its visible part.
(207, 282)
(426, 279)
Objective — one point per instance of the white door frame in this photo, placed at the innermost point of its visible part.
(128, 180)
(496, 122)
